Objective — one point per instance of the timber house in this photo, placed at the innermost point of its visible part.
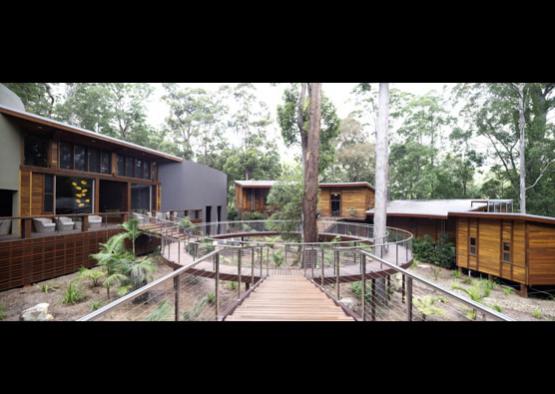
(63, 190)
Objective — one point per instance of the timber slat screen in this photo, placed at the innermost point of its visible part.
(27, 261)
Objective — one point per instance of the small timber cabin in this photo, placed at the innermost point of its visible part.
(346, 200)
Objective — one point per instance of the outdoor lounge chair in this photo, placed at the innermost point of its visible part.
(5, 226)
(64, 223)
(95, 221)
(44, 225)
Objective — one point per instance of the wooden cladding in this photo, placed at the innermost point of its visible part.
(353, 202)
(511, 249)
(27, 261)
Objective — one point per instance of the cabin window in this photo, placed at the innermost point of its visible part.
(138, 168)
(129, 166)
(80, 153)
(48, 206)
(105, 162)
(73, 195)
(36, 151)
(146, 170)
(472, 249)
(121, 165)
(66, 156)
(94, 160)
(506, 252)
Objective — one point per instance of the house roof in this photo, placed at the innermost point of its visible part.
(269, 184)
(506, 216)
(40, 120)
(438, 209)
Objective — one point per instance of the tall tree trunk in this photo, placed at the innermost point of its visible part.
(380, 214)
(521, 126)
(311, 164)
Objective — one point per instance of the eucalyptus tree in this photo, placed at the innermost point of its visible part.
(38, 97)
(381, 184)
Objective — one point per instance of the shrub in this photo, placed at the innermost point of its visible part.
(356, 289)
(441, 253)
(232, 213)
(94, 276)
(537, 313)
(186, 224)
(232, 285)
(435, 272)
(457, 274)
(254, 215)
(508, 290)
(162, 312)
(211, 298)
(2, 312)
(471, 314)
(73, 294)
(196, 310)
(47, 288)
(96, 305)
(277, 258)
(427, 305)
(497, 308)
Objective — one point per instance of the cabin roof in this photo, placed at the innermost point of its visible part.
(269, 184)
(437, 209)
(40, 120)
(506, 216)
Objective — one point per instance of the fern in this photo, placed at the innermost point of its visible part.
(427, 305)
(162, 312)
(73, 294)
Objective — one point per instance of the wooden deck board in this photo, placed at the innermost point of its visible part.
(288, 298)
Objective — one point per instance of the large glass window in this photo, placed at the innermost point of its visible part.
(128, 166)
(66, 155)
(48, 193)
(506, 252)
(94, 160)
(146, 169)
(73, 195)
(138, 168)
(105, 162)
(121, 165)
(36, 151)
(140, 197)
(80, 155)
(472, 248)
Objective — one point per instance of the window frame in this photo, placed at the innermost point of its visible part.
(472, 249)
(71, 151)
(509, 252)
(29, 160)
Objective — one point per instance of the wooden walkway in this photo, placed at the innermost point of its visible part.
(288, 298)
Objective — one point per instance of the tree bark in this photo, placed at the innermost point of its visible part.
(521, 126)
(380, 209)
(311, 164)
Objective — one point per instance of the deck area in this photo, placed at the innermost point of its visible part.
(286, 298)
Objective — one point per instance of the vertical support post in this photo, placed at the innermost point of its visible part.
(409, 298)
(285, 255)
(403, 288)
(396, 253)
(336, 264)
(176, 288)
(388, 287)
(239, 252)
(268, 261)
(373, 304)
(179, 252)
(363, 279)
(322, 264)
(260, 258)
(217, 285)
(252, 265)
(311, 265)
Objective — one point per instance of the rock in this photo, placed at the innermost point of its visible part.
(347, 301)
(38, 312)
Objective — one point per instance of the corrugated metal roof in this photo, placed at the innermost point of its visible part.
(268, 183)
(63, 126)
(255, 183)
(430, 208)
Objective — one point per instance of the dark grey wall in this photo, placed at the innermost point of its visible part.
(10, 147)
(189, 185)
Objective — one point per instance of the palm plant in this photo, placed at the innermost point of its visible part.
(132, 232)
(94, 276)
(427, 305)
(139, 271)
(111, 260)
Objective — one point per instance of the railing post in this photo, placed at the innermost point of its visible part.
(176, 287)
(363, 278)
(396, 253)
(403, 289)
(260, 258)
(217, 285)
(336, 264)
(322, 264)
(409, 298)
(311, 265)
(285, 255)
(373, 304)
(239, 252)
(179, 252)
(268, 261)
(252, 266)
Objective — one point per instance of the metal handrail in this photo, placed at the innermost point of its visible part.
(134, 294)
(465, 300)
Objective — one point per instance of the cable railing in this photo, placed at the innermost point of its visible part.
(385, 291)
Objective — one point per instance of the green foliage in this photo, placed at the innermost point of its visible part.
(73, 293)
(232, 285)
(96, 305)
(162, 312)
(38, 98)
(428, 305)
(537, 313)
(254, 215)
(477, 292)
(211, 298)
(508, 290)
(497, 308)
(467, 280)
(93, 275)
(197, 309)
(277, 258)
(185, 223)
(457, 274)
(356, 289)
(47, 288)
(285, 200)
(471, 314)
(2, 312)
(441, 252)
(436, 271)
